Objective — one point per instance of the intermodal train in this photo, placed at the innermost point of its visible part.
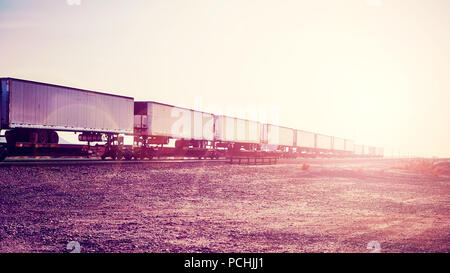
(32, 113)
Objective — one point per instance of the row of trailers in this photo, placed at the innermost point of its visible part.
(33, 113)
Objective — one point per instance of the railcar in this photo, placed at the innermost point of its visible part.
(379, 152)
(338, 146)
(32, 113)
(278, 138)
(359, 150)
(349, 147)
(305, 143)
(371, 151)
(155, 124)
(236, 135)
(324, 145)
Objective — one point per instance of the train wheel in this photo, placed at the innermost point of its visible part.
(128, 154)
(33, 136)
(53, 137)
(42, 137)
(150, 153)
(119, 155)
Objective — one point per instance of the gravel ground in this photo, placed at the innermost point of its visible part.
(332, 206)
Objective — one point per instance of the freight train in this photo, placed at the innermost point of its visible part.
(32, 114)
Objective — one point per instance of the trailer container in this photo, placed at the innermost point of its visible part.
(349, 145)
(278, 135)
(372, 151)
(306, 139)
(27, 104)
(339, 144)
(324, 142)
(248, 131)
(157, 119)
(207, 126)
(229, 129)
(380, 151)
(359, 149)
(365, 150)
(225, 129)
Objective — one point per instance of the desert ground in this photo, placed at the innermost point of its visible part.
(301, 205)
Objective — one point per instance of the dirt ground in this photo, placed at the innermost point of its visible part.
(329, 205)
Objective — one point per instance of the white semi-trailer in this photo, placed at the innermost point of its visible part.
(237, 130)
(338, 144)
(306, 139)
(33, 113)
(278, 137)
(324, 142)
(156, 119)
(40, 106)
(349, 146)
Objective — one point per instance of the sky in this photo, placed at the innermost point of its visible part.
(376, 71)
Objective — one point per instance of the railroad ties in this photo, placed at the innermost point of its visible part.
(253, 160)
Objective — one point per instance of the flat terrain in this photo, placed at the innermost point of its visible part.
(335, 205)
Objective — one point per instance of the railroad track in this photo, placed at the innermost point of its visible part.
(87, 161)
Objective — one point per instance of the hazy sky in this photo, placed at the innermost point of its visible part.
(376, 71)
